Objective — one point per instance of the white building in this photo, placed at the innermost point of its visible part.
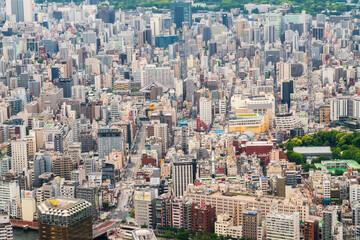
(19, 10)
(162, 75)
(205, 111)
(354, 192)
(19, 155)
(6, 232)
(183, 174)
(9, 198)
(326, 189)
(282, 226)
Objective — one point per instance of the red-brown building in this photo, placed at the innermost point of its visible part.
(146, 160)
(311, 230)
(203, 218)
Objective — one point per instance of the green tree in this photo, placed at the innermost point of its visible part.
(167, 235)
(298, 158)
(183, 235)
(255, 11)
(132, 213)
(105, 205)
(307, 140)
(336, 153)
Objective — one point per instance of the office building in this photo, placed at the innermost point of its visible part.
(205, 110)
(145, 206)
(282, 226)
(286, 91)
(183, 173)
(109, 140)
(65, 84)
(41, 164)
(161, 75)
(90, 195)
(19, 155)
(311, 230)
(19, 10)
(65, 219)
(251, 220)
(329, 216)
(62, 166)
(180, 12)
(9, 198)
(203, 218)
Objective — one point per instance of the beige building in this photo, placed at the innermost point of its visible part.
(19, 155)
(116, 157)
(235, 205)
(224, 225)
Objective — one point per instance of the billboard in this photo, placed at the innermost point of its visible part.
(27, 194)
(139, 195)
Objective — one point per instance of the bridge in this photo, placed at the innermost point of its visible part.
(104, 228)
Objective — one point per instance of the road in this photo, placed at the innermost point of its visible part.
(126, 185)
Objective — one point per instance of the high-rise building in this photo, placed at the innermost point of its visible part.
(41, 164)
(286, 90)
(62, 166)
(269, 33)
(203, 217)
(9, 198)
(251, 220)
(58, 143)
(329, 216)
(6, 232)
(162, 75)
(89, 194)
(205, 110)
(65, 219)
(354, 193)
(163, 211)
(19, 10)
(109, 140)
(19, 155)
(65, 84)
(145, 206)
(282, 226)
(184, 173)
(181, 12)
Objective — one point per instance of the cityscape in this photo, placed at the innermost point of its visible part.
(178, 119)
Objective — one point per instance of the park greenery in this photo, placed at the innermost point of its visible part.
(182, 234)
(296, 6)
(343, 146)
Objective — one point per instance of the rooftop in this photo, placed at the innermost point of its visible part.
(313, 150)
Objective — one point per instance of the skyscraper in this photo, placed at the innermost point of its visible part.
(184, 173)
(181, 12)
(65, 219)
(205, 111)
(286, 90)
(19, 10)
